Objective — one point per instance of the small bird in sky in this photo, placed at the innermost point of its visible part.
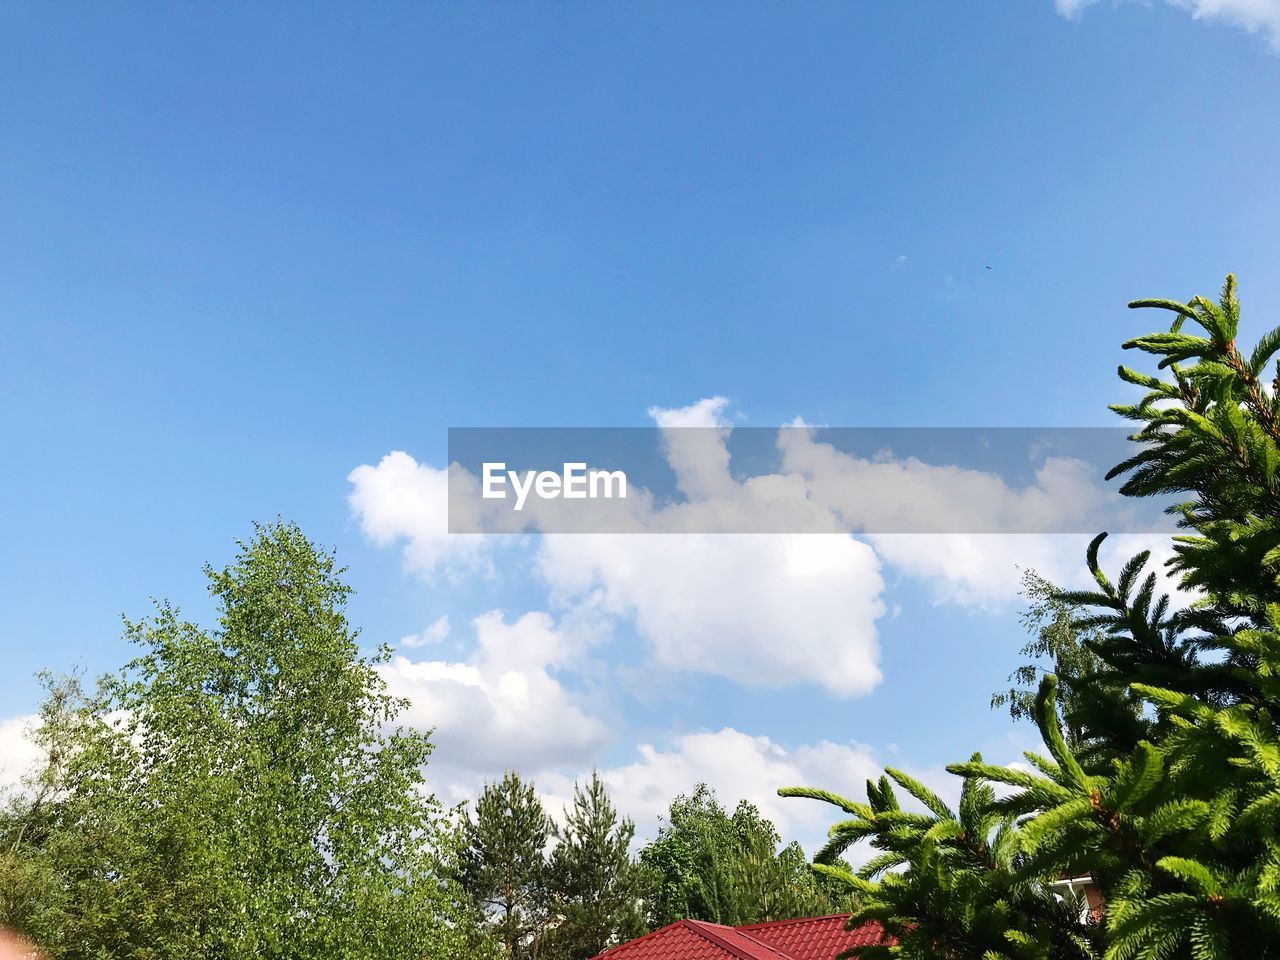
(988, 268)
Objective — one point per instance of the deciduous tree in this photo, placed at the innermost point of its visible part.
(710, 865)
(236, 791)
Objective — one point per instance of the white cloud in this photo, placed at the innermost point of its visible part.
(761, 609)
(1255, 16)
(769, 610)
(505, 705)
(982, 570)
(436, 632)
(818, 488)
(765, 610)
(18, 754)
(741, 766)
(673, 585)
(905, 494)
(693, 441)
(403, 500)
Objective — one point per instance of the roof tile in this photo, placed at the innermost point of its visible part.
(813, 938)
(816, 938)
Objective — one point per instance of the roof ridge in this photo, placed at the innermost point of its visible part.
(708, 930)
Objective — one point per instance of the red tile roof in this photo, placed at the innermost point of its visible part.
(813, 938)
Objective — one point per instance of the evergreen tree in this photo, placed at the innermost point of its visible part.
(948, 882)
(504, 866)
(1171, 808)
(598, 889)
(232, 792)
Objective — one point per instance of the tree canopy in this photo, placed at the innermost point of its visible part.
(728, 868)
(234, 791)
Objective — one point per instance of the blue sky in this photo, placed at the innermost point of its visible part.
(245, 250)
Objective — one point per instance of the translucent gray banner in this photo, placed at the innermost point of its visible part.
(793, 479)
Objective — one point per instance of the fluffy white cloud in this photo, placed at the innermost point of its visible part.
(1256, 16)
(906, 494)
(763, 610)
(505, 705)
(741, 766)
(760, 609)
(981, 570)
(18, 755)
(802, 608)
(401, 500)
(818, 488)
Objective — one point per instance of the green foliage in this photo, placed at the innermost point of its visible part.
(710, 865)
(233, 791)
(503, 865)
(597, 889)
(1165, 786)
(1092, 701)
(946, 883)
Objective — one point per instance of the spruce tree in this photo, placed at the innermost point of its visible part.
(948, 884)
(1167, 792)
(598, 888)
(503, 864)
